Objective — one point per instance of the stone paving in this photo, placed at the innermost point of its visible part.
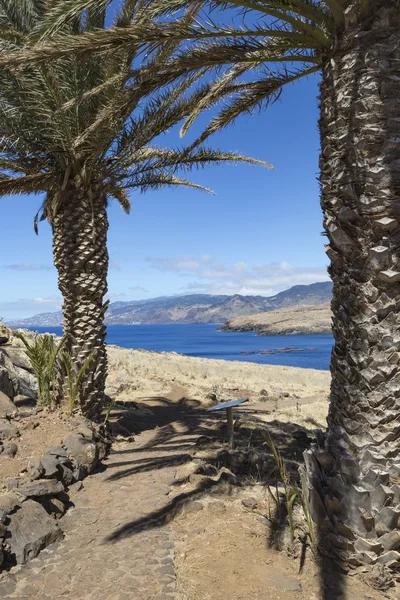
(118, 542)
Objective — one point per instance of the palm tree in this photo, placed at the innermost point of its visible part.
(251, 52)
(81, 130)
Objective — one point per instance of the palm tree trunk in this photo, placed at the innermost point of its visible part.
(80, 255)
(354, 472)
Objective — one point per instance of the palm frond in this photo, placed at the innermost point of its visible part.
(152, 181)
(28, 184)
(121, 195)
(248, 97)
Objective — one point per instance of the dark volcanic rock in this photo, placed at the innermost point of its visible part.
(82, 451)
(7, 430)
(31, 530)
(40, 487)
(7, 406)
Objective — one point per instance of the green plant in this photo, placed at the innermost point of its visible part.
(42, 353)
(292, 492)
(74, 376)
(109, 409)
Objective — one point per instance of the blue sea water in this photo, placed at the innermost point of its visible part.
(205, 341)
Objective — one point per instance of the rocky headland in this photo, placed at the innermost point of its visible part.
(302, 320)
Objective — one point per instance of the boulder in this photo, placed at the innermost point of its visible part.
(9, 502)
(7, 430)
(26, 383)
(31, 529)
(82, 451)
(51, 466)
(3, 340)
(9, 450)
(7, 406)
(15, 380)
(35, 470)
(56, 506)
(6, 384)
(66, 474)
(19, 358)
(40, 487)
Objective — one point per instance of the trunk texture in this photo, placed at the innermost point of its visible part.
(81, 258)
(354, 472)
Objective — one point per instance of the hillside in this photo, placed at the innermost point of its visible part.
(196, 308)
(300, 320)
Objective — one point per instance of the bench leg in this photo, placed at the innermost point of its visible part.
(229, 414)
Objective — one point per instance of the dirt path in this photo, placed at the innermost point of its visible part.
(145, 529)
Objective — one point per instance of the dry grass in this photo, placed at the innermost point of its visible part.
(303, 319)
(139, 374)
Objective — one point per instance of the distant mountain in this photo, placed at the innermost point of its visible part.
(196, 308)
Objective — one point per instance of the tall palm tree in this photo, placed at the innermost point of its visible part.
(81, 130)
(251, 49)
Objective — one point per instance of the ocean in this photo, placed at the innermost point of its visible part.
(313, 351)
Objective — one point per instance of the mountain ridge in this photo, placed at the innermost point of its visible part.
(195, 308)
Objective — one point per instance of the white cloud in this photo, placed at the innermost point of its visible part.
(113, 295)
(28, 267)
(139, 288)
(26, 307)
(215, 277)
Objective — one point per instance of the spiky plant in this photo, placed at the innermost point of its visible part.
(250, 50)
(42, 353)
(81, 130)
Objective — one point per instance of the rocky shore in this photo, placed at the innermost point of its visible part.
(303, 320)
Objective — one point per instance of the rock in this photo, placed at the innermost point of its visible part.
(8, 503)
(3, 340)
(211, 396)
(76, 487)
(251, 503)
(35, 470)
(82, 451)
(193, 507)
(58, 452)
(24, 401)
(31, 530)
(9, 450)
(7, 431)
(7, 406)
(51, 466)
(40, 487)
(56, 506)
(264, 393)
(3, 530)
(203, 440)
(225, 475)
(26, 383)
(19, 358)
(79, 474)
(30, 425)
(6, 384)
(66, 474)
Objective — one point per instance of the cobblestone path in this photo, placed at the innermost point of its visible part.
(118, 542)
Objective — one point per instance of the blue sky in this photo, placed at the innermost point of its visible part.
(260, 234)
